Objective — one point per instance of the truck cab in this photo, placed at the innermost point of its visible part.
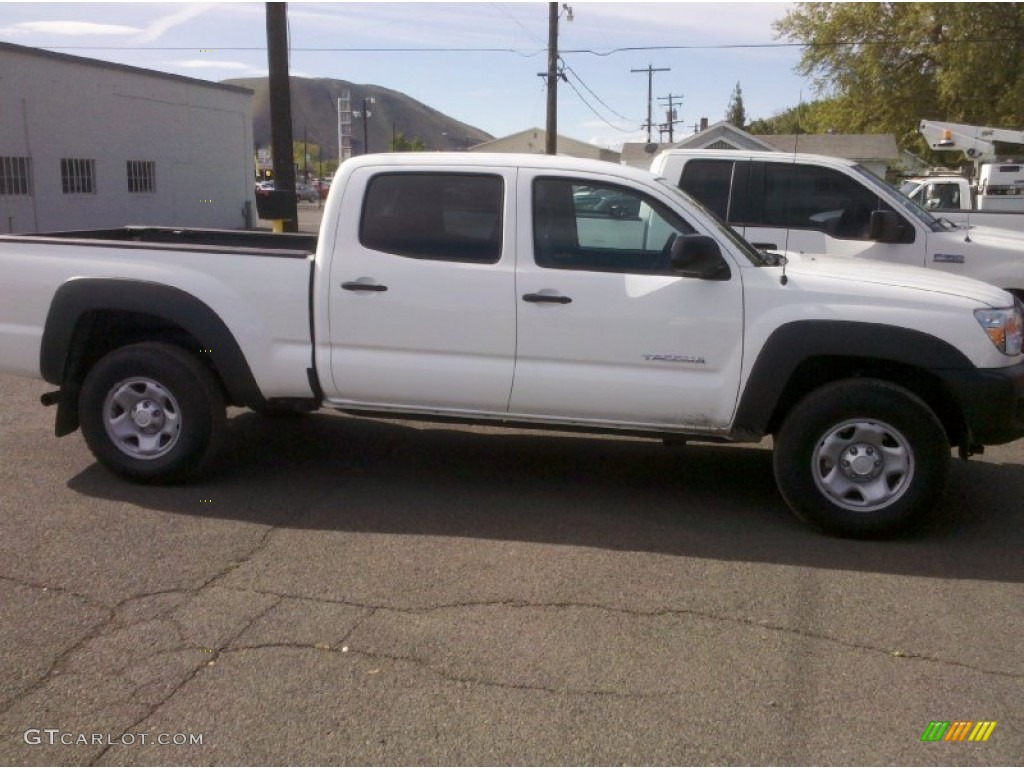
(819, 205)
(945, 192)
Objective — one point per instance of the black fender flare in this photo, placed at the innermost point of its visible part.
(75, 298)
(793, 344)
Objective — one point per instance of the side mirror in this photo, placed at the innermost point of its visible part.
(699, 256)
(886, 227)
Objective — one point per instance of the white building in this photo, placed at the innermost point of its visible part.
(87, 144)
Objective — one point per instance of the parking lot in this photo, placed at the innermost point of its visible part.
(347, 591)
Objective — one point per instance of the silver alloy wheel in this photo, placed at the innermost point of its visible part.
(863, 466)
(142, 418)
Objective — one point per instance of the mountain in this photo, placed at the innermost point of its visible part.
(315, 116)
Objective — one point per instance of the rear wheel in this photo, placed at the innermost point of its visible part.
(861, 457)
(151, 412)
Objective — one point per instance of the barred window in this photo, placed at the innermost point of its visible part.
(14, 176)
(77, 176)
(141, 176)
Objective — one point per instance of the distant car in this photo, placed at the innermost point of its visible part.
(263, 187)
(606, 203)
(307, 193)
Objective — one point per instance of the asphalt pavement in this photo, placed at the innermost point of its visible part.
(347, 591)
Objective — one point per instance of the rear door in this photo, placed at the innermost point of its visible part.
(607, 332)
(422, 309)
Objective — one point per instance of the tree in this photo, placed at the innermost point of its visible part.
(399, 143)
(735, 113)
(884, 67)
(819, 116)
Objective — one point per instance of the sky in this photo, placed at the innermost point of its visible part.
(474, 61)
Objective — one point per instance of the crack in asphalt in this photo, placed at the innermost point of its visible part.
(759, 625)
(189, 677)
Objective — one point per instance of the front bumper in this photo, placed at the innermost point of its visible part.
(992, 402)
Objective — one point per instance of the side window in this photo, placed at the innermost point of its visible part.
(708, 182)
(603, 228)
(440, 216)
(809, 197)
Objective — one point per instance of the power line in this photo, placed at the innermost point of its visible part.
(527, 53)
(591, 92)
(597, 114)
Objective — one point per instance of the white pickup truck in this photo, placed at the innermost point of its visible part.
(815, 204)
(950, 196)
(530, 291)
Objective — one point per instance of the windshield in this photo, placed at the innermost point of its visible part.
(755, 256)
(901, 201)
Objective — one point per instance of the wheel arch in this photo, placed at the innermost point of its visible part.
(89, 318)
(805, 355)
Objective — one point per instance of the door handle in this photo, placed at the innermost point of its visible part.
(353, 286)
(546, 298)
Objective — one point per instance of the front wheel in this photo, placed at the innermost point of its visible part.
(151, 412)
(861, 457)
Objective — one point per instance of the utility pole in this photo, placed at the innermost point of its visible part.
(366, 114)
(552, 75)
(305, 155)
(670, 115)
(551, 132)
(281, 113)
(650, 93)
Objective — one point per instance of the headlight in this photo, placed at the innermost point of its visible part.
(1004, 326)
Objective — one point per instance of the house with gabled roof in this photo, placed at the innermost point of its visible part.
(534, 141)
(876, 152)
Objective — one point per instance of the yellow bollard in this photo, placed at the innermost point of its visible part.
(277, 225)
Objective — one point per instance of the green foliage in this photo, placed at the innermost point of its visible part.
(399, 143)
(735, 112)
(884, 67)
(821, 116)
(318, 159)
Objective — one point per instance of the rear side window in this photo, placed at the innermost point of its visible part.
(708, 182)
(441, 216)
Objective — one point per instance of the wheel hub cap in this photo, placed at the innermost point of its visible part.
(863, 466)
(142, 418)
(147, 415)
(861, 462)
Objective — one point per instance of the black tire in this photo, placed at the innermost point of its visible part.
(861, 458)
(152, 412)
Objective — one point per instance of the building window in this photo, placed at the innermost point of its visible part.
(77, 176)
(14, 176)
(141, 176)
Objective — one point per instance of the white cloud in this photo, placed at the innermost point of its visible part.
(164, 24)
(210, 64)
(73, 28)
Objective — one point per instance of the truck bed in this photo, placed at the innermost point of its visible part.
(257, 243)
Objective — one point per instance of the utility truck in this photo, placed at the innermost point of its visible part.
(995, 186)
(500, 289)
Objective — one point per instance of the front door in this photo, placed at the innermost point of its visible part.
(606, 331)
